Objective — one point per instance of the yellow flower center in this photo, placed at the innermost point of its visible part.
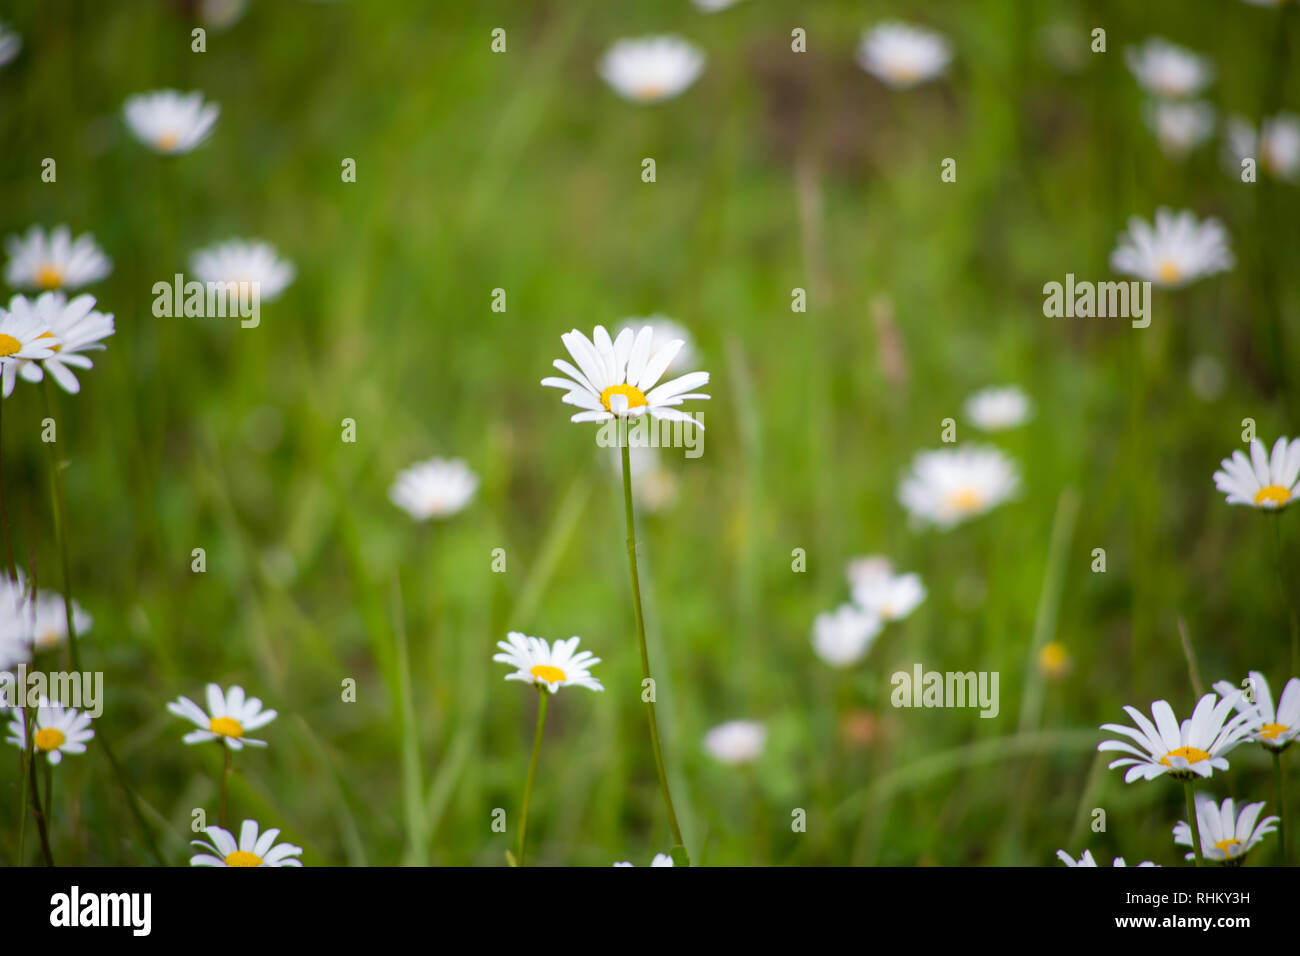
(1053, 658)
(48, 639)
(1274, 493)
(49, 276)
(49, 738)
(1168, 272)
(9, 345)
(965, 500)
(635, 397)
(167, 141)
(226, 727)
(650, 91)
(243, 858)
(902, 73)
(1271, 731)
(1226, 845)
(552, 675)
(1190, 754)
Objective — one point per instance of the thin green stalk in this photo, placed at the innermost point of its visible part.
(41, 829)
(1191, 821)
(11, 564)
(1287, 602)
(640, 637)
(543, 698)
(1279, 792)
(225, 785)
(49, 792)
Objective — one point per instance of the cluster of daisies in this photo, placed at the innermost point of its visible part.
(843, 637)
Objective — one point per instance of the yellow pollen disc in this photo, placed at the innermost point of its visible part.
(9, 345)
(226, 727)
(167, 141)
(48, 639)
(1271, 731)
(1190, 754)
(1169, 272)
(651, 91)
(902, 74)
(241, 858)
(1226, 845)
(552, 675)
(49, 738)
(1053, 658)
(965, 500)
(49, 276)
(635, 397)
(1274, 493)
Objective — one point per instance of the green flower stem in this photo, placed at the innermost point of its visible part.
(640, 637)
(1279, 794)
(10, 564)
(41, 829)
(543, 697)
(225, 784)
(1192, 822)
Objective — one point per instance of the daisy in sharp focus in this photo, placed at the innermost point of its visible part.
(1274, 727)
(437, 488)
(57, 731)
(617, 378)
(1175, 251)
(736, 742)
(651, 69)
(1226, 835)
(75, 326)
(903, 56)
(950, 485)
(845, 635)
(253, 849)
(1179, 127)
(1262, 481)
(1169, 71)
(23, 337)
(999, 407)
(170, 122)
(891, 596)
(1086, 860)
(1194, 748)
(548, 666)
(1276, 147)
(228, 718)
(55, 261)
(244, 261)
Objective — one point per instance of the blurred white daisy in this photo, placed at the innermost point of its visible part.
(15, 624)
(1263, 480)
(1276, 147)
(23, 337)
(661, 859)
(77, 328)
(1087, 860)
(845, 635)
(867, 568)
(10, 44)
(57, 731)
(650, 69)
(890, 596)
(665, 331)
(950, 485)
(903, 56)
(736, 742)
(253, 849)
(249, 261)
(1184, 751)
(1275, 728)
(221, 14)
(170, 122)
(1179, 126)
(1166, 70)
(1226, 835)
(229, 716)
(38, 261)
(545, 665)
(50, 620)
(999, 407)
(437, 488)
(1178, 250)
(618, 378)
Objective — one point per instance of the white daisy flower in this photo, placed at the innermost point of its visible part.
(549, 666)
(1178, 250)
(24, 336)
(618, 378)
(1179, 126)
(58, 730)
(77, 328)
(1275, 728)
(56, 261)
(1194, 748)
(229, 716)
(437, 488)
(845, 635)
(253, 849)
(50, 620)
(1168, 71)
(736, 742)
(1262, 481)
(245, 261)
(890, 596)
(1226, 835)
(15, 624)
(665, 331)
(868, 568)
(1087, 860)
(10, 44)
(170, 122)
(661, 859)
(713, 6)
(903, 56)
(947, 486)
(1276, 147)
(997, 408)
(650, 69)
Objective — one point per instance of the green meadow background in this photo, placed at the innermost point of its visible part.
(522, 171)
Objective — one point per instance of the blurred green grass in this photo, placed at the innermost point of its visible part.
(521, 171)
